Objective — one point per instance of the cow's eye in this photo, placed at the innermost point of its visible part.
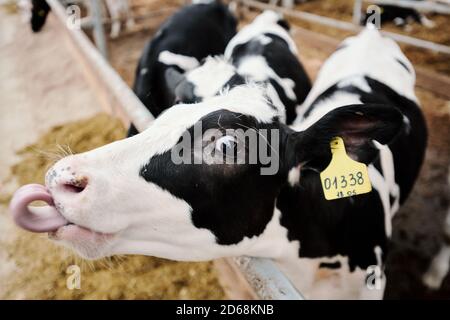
(227, 145)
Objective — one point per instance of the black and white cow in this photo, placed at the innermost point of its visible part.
(400, 16)
(191, 34)
(262, 52)
(134, 196)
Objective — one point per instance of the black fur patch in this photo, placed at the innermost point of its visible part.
(330, 265)
(39, 12)
(234, 81)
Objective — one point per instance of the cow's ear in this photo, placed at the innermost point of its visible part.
(358, 125)
(173, 78)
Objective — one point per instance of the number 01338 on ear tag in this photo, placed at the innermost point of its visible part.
(344, 177)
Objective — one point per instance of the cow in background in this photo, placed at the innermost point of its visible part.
(190, 35)
(400, 16)
(39, 13)
(262, 52)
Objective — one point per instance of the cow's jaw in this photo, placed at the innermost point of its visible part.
(88, 243)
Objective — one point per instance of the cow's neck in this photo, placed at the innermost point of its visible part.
(305, 272)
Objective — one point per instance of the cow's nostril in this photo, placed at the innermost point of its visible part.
(75, 185)
(72, 188)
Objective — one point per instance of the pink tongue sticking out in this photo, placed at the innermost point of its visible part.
(35, 219)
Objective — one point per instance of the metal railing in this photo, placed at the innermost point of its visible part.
(97, 26)
(343, 25)
(266, 279)
(117, 96)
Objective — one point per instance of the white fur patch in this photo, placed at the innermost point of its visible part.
(427, 22)
(336, 100)
(356, 81)
(388, 168)
(380, 185)
(184, 62)
(294, 176)
(211, 76)
(266, 22)
(367, 54)
(117, 9)
(143, 71)
(399, 21)
(264, 40)
(256, 68)
(438, 269)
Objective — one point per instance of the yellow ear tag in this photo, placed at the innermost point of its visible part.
(344, 177)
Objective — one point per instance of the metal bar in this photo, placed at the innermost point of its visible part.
(156, 13)
(268, 282)
(426, 79)
(86, 22)
(357, 8)
(287, 3)
(343, 25)
(233, 282)
(417, 42)
(99, 32)
(425, 6)
(330, 22)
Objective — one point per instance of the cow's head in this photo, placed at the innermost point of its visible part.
(214, 75)
(135, 196)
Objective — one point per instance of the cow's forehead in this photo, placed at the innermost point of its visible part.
(167, 129)
(210, 77)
